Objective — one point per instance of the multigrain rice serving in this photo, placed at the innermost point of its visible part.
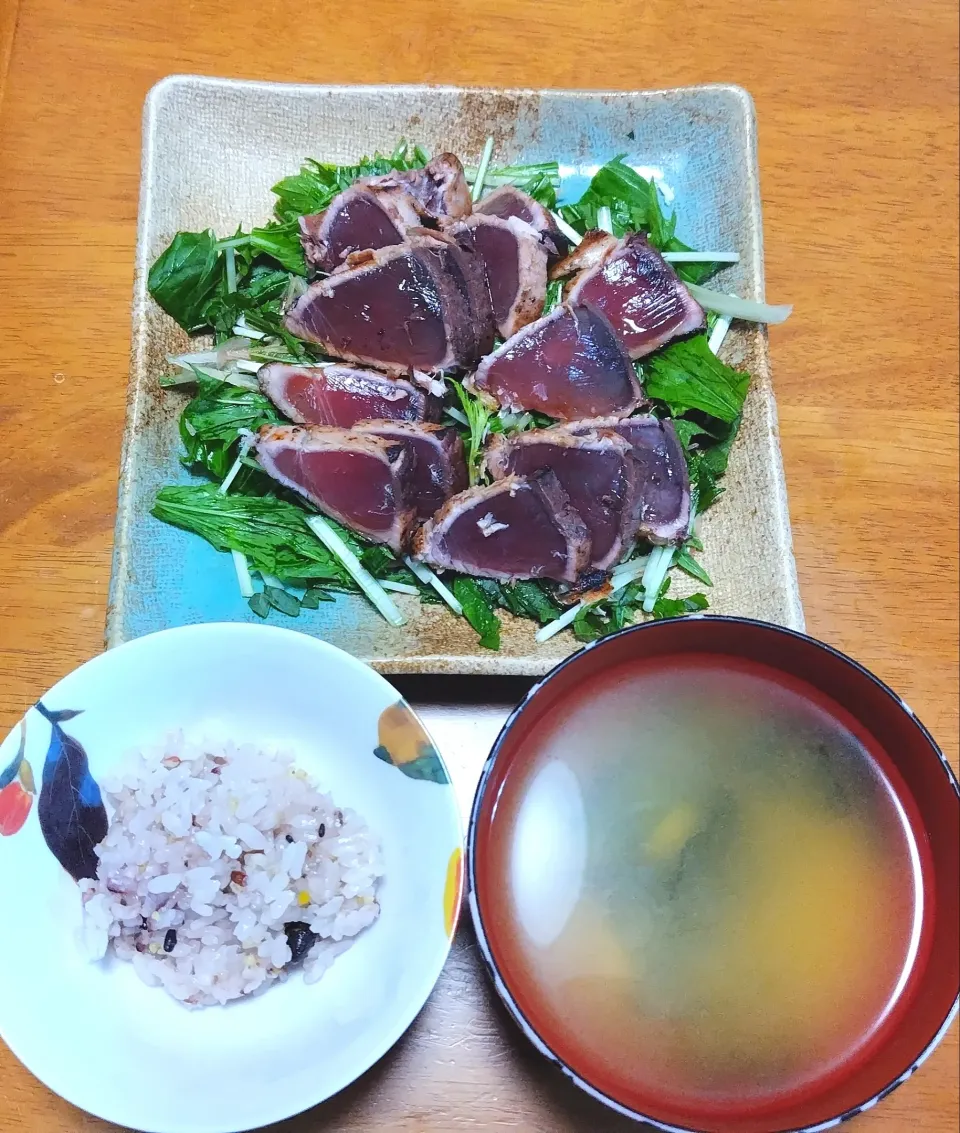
(223, 867)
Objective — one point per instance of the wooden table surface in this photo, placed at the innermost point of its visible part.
(857, 109)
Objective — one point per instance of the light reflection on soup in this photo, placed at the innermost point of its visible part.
(715, 890)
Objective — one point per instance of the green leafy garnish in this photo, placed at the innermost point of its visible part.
(479, 610)
(243, 284)
(382, 563)
(313, 597)
(540, 180)
(635, 206)
(259, 604)
(190, 281)
(281, 242)
(708, 466)
(601, 618)
(542, 187)
(554, 295)
(257, 300)
(272, 533)
(529, 599)
(687, 563)
(210, 425)
(283, 601)
(687, 375)
(477, 415)
(184, 277)
(707, 452)
(526, 599)
(665, 607)
(317, 183)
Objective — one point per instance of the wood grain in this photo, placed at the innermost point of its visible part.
(857, 106)
(8, 26)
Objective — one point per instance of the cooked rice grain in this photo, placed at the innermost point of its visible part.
(212, 851)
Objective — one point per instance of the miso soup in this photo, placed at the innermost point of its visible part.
(715, 890)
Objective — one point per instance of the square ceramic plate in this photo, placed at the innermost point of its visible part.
(211, 150)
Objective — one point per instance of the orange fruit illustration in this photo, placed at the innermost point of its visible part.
(403, 743)
(451, 891)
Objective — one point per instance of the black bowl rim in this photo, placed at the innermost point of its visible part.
(484, 945)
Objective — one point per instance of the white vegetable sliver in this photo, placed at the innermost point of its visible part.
(244, 328)
(719, 333)
(604, 221)
(190, 371)
(428, 578)
(621, 577)
(701, 257)
(544, 633)
(661, 559)
(244, 581)
(197, 358)
(736, 308)
(398, 587)
(482, 169)
(231, 260)
(245, 444)
(567, 229)
(627, 572)
(358, 572)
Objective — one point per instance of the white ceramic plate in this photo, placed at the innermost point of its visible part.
(128, 1053)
